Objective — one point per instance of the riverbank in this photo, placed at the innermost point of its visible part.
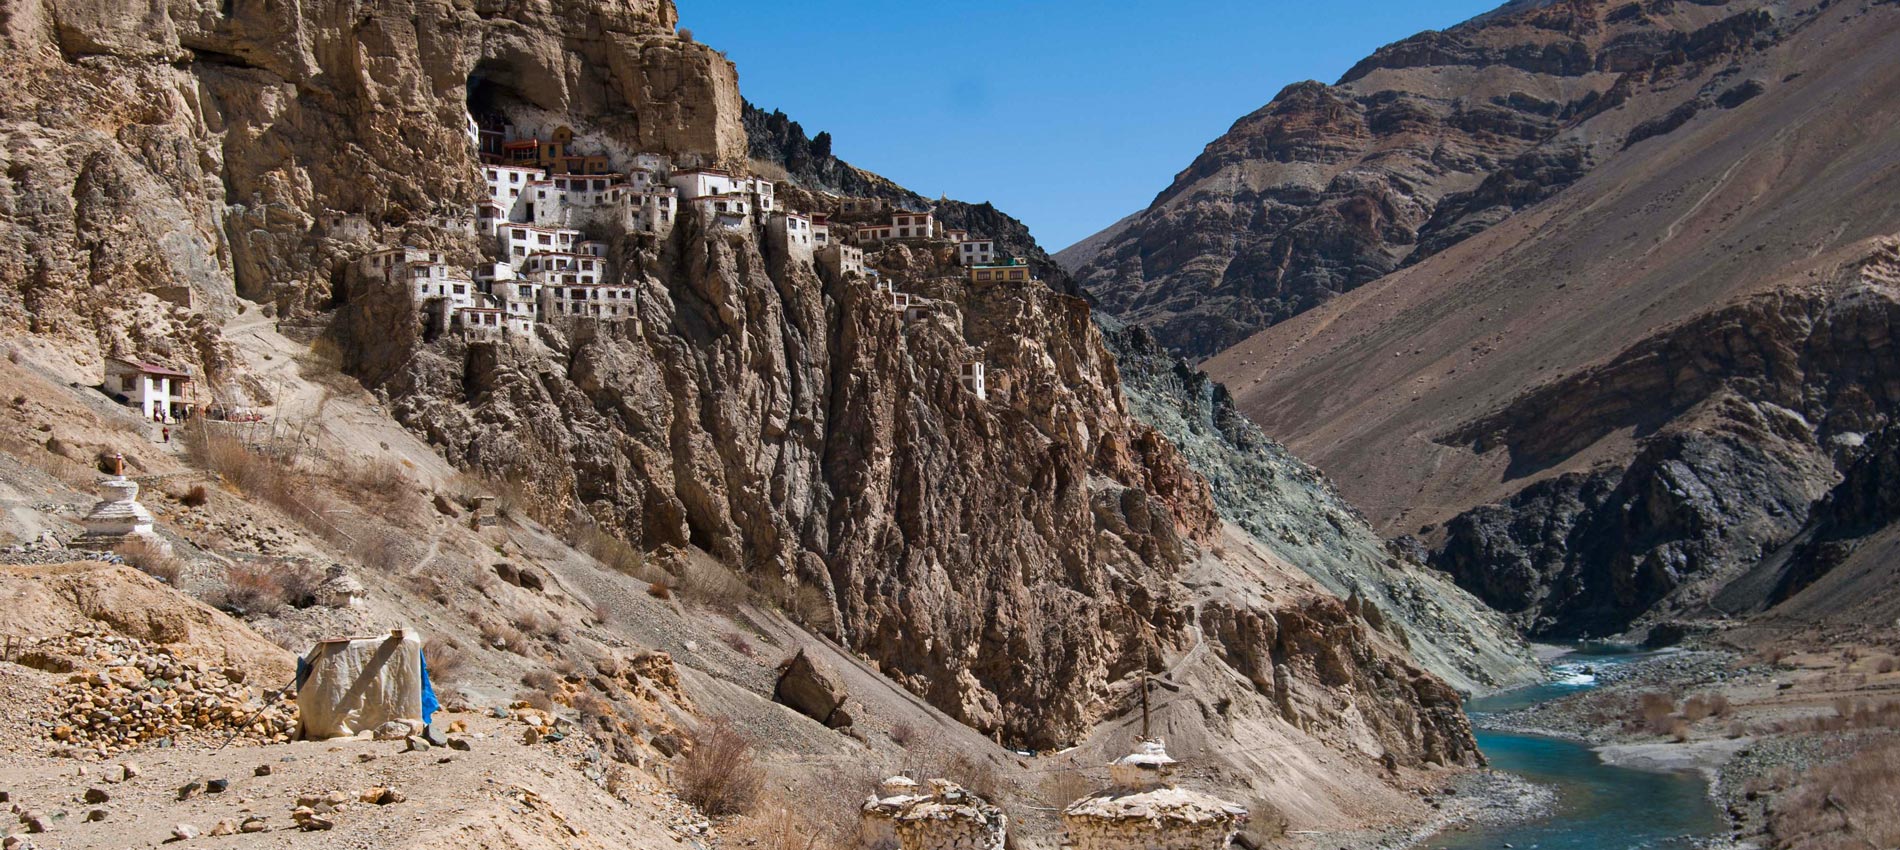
(1797, 735)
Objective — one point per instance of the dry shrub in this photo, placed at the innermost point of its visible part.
(1848, 804)
(535, 699)
(737, 643)
(149, 557)
(1652, 713)
(196, 497)
(13, 355)
(445, 658)
(1885, 666)
(257, 587)
(1702, 706)
(504, 636)
(617, 554)
(659, 590)
(379, 480)
(903, 733)
(719, 774)
(542, 680)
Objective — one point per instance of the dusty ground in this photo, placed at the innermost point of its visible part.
(405, 533)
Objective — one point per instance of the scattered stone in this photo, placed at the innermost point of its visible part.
(382, 796)
(262, 770)
(129, 771)
(254, 823)
(459, 744)
(184, 832)
(668, 744)
(13, 842)
(225, 826)
(416, 745)
(531, 736)
(435, 736)
(308, 820)
(458, 727)
(35, 822)
(96, 815)
(96, 794)
(190, 790)
(394, 730)
(365, 758)
(217, 786)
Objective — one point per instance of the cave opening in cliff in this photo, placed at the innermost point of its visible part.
(492, 94)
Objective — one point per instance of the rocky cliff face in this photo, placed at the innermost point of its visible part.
(175, 154)
(1417, 147)
(176, 167)
(1296, 513)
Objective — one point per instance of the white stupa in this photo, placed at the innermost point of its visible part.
(118, 516)
(1144, 810)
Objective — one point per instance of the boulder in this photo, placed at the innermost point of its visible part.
(813, 689)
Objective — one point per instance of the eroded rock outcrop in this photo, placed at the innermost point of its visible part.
(165, 157)
(1748, 417)
(1292, 509)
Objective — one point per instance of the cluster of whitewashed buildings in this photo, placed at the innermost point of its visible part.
(542, 197)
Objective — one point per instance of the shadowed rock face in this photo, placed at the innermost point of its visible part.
(1747, 418)
(1418, 147)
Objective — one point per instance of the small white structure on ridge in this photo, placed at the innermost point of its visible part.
(1144, 811)
(118, 516)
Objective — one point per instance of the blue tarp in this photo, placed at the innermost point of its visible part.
(429, 702)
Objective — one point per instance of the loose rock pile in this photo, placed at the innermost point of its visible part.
(126, 693)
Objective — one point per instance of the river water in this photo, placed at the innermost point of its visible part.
(1599, 807)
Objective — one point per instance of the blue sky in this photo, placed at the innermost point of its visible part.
(1067, 114)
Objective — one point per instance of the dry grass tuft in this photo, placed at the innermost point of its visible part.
(196, 497)
(150, 558)
(1849, 804)
(719, 773)
(445, 657)
(659, 590)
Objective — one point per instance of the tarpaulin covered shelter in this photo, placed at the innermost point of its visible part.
(348, 685)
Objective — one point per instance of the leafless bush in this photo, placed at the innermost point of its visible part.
(149, 557)
(196, 497)
(1885, 666)
(1702, 706)
(1849, 804)
(719, 773)
(256, 587)
(686, 35)
(536, 699)
(1652, 713)
(445, 658)
(543, 681)
(504, 636)
(659, 590)
(902, 733)
(737, 643)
